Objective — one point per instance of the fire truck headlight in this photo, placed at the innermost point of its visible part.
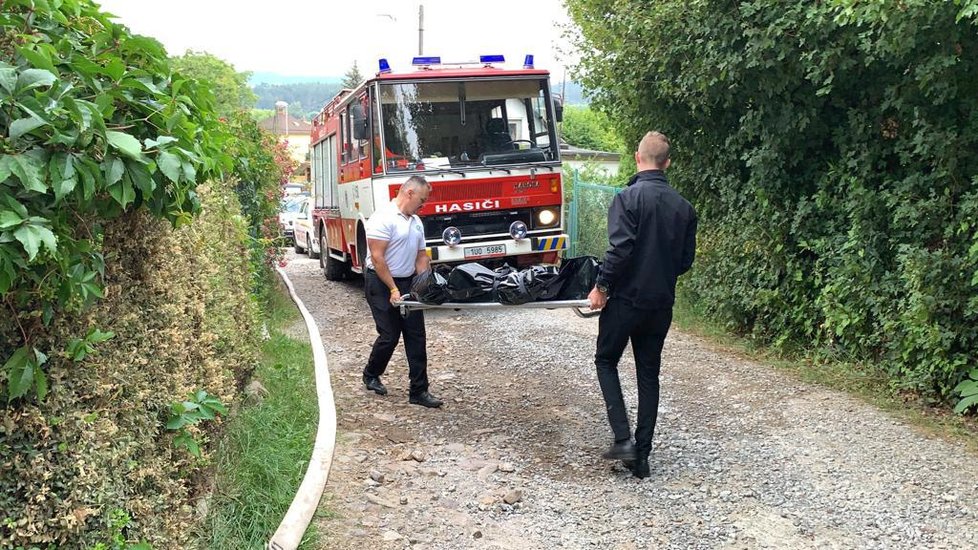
(546, 217)
(452, 236)
(517, 230)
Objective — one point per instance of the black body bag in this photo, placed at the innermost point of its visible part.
(526, 285)
(474, 282)
(430, 287)
(574, 281)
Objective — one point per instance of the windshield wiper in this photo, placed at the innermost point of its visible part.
(443, 170)
(491, 168)
(514, 166)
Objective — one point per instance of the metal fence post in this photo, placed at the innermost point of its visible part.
(574, 209)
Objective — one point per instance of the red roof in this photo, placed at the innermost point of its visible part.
(279, 124)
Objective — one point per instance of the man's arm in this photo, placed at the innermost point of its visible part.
(377, 250)
(422, 262)
(689, 253)
(622, 230)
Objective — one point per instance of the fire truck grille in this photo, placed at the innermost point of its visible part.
(475, 224)
(465, 191)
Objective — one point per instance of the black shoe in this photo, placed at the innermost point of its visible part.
(373, 383)
(425, 399)
(640, 468)
(623, 450)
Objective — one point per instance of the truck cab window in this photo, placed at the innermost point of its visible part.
(434, 125)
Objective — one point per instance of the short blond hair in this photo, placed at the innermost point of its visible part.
(654, 149)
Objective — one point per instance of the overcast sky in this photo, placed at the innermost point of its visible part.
(321, 37)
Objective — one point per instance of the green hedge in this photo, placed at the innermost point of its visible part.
(129, 209)
(97, 448)
(830, 149)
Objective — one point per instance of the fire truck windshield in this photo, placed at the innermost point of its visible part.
(436, 125)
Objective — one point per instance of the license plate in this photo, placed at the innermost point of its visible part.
(485, 251)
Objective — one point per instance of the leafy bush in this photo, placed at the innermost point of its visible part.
(829, 148)
(178, 304)
(96, 125)
(125, 276)
(589, 129)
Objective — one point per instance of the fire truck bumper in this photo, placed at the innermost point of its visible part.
(472, 252)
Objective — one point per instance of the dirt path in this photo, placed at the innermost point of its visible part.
(744, 456)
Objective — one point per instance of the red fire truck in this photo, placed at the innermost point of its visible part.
(483, 135)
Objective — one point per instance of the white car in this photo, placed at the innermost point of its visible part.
(304, 234)
(287, 213)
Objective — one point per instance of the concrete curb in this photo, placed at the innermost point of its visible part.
(303, 507)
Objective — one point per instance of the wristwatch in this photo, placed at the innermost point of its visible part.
(601, 288)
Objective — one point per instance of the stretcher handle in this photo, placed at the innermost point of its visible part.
(587, 313)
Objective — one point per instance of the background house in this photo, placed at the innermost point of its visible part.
(295, 133)
(576, 158)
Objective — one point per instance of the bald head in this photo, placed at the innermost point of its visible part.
(415, 183)
(653, 152)
(413, 194)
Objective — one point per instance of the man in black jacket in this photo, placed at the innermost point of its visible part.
(652, 237)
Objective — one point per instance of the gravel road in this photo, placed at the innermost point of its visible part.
(744, 456)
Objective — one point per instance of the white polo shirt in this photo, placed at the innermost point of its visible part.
(404, 235)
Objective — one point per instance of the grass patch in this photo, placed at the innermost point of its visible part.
(858, 379)
(267, 445)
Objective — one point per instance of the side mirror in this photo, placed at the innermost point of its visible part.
(559, 112)
(359, 122)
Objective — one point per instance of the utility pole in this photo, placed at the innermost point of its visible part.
(420, 29)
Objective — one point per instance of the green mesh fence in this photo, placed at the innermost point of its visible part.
(588, 217)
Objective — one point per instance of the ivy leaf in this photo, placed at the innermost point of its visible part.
(34, 78)
(9, 219)
(125, 144)
(63, 175)
(24, 167)
(966, 403)
(189, 172)
(113, 168)
(41, 383)
(84, 66)
(170, 166)
(159, 141)
(95, 336)
(32, 236)
(115, 68)
(21, 126)
(141, 178)
(20, 372)
(38, 58)
(7, 272)
(122, 192)
(20, 209)
(8, 79)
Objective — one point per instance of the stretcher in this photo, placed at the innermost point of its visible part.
(581, 307)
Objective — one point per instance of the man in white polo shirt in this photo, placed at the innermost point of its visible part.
(395, 240)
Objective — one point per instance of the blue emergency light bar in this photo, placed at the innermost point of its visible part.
(428, 60)
(384, 66)
(492, 59)
(528, 61)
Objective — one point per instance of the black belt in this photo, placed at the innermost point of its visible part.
(374, 272)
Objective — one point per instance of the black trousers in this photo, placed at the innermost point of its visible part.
(647, 329)
(390, 327)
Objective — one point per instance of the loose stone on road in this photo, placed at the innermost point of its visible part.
(744, 456)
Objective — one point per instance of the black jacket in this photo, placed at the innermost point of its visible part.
(652, 237)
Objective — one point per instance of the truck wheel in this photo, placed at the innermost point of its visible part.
(295, 239)
(333, 269)
(312, 253)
